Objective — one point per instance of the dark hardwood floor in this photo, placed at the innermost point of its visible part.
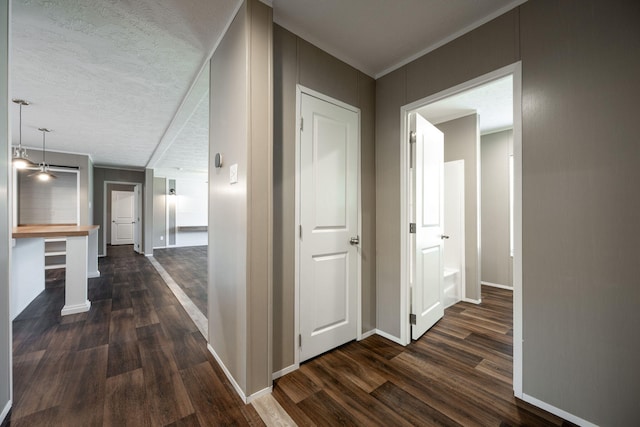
(458, 374)
(135, 358)
(188, 268)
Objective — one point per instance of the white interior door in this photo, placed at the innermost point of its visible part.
(137, 227)
(427, 302)
(123, 217)
(328, 247)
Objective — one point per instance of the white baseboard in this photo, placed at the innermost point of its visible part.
(285, 371)
(77, 308)
(472, 301)
(557, 411)
(259, 394)
(497, 285)
(93, 274)
(235, 385)
(5, 411)
(367, 334)
(389, 337)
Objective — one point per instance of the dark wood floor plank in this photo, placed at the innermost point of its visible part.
(188, 267)
(125, 402)
(216, 405)
(120, 363)
(413, 410)
(458, 373)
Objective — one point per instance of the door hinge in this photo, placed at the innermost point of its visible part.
(412, 137)
(412, 228)
(412, 319)
(300, 340)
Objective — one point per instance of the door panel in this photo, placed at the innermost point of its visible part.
(123, 217)
(427, 292)
(329, 219)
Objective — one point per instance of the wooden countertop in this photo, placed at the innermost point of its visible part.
(28, 231)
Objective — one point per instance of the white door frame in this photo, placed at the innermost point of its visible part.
(138, 188)
(299, 91)
(405, 336)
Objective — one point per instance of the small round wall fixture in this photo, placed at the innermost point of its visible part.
(218, 160)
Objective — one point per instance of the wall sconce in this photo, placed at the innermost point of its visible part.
(172, 191)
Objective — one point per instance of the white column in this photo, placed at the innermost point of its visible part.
(76, 276)
(27, 273)
(92, 255)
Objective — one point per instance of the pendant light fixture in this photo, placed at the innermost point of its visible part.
(43, 173)
(20, 157)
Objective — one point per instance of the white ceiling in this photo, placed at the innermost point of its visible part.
(127, 81)
(493, 102)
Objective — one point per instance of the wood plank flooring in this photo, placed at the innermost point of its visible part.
(458, 374)
(188, 268)
(135, 358)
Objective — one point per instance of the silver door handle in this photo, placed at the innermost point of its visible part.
(444, 236)
(355, 240)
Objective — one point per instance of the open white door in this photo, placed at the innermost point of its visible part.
(427, 302)
(123, 217)
(328, 235)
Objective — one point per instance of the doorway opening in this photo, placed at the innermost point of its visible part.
(131, 209)
(471, 271)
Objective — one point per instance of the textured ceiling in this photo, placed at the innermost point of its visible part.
(492, 101)
(126, 81)
(108, 76)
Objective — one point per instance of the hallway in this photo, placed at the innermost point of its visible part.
(135, 358)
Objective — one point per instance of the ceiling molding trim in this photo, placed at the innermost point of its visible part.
(164, 144)
(39, 150)
(452, 37)
(496, 130)
(120, 168)
(319, 44)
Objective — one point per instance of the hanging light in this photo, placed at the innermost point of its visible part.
(43, 173)
(20, 156)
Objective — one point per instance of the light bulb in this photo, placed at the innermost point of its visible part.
(43, 176)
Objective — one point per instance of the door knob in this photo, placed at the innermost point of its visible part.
(444, 236)
(355, 240)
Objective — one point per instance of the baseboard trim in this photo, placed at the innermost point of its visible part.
(388, 336)
(557, 411)
(259, 394)
(5, 411)
(367, 334)
(235, 385)
(472, 301)
(93, 274)
(497, 285)
(77, 308)
(285, 371)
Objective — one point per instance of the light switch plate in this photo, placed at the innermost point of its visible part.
(233, 173)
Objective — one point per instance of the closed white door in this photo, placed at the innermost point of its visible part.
(123, 217)
(328, 198)
(427, 289)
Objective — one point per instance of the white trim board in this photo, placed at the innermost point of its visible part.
(236, 386)
(557, 411)
(516, 71)
(5, 411)
(388, 336)
(497, 285)
(285, 371)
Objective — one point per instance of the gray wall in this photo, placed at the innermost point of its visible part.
(297, 61)
(240, 234)
(496, 261)
(110, 188)
(5, 213)
(159, 212)
(580, 65)
(462, 142)
(119, 175)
